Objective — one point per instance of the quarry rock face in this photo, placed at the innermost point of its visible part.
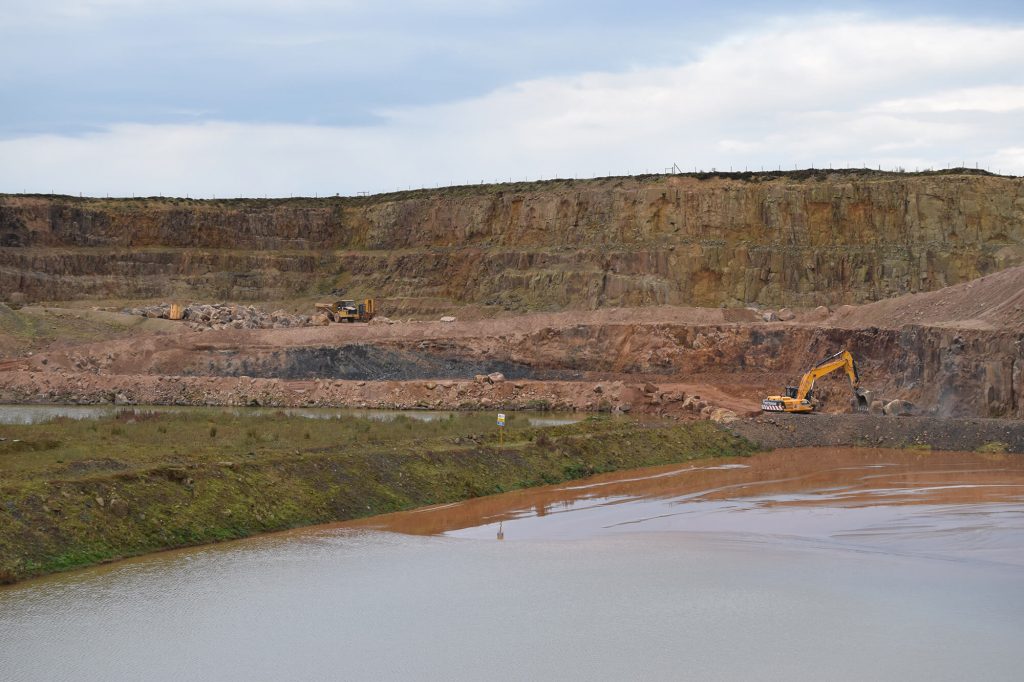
(802, 240)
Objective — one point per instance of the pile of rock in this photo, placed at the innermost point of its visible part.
(893, 408)
(226, 316)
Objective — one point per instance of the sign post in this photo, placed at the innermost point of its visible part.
(501, 428)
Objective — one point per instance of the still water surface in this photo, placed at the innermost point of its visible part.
(801, 564)
(38, 414)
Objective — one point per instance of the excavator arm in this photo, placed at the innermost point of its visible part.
(841, 360)
(798, 400)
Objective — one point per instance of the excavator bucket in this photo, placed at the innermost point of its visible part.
(862, 398)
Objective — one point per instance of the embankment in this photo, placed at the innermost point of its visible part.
(803, 238)
(994, 436)
(173, 480)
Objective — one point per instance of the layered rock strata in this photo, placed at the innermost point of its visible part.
(775, 239)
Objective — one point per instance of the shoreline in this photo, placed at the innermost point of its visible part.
(780, 430)
(71, 513)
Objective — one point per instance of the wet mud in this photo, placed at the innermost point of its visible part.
(951, 504)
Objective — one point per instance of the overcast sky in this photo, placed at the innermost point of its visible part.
(282, 97)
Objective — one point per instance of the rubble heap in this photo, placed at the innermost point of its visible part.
(226, 316)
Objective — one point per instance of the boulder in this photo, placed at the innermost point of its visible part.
(118, 507)
(769, 316)
(496, 377)
(897, 408)
(694, 404)
(786, 315)
(723, 416)
(447, 319)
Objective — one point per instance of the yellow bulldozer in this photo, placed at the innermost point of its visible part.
(800, 398)
(348, 311)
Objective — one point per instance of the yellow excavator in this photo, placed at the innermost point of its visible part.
(800, 398)
(348, 310)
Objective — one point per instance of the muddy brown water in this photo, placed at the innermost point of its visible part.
(843, 564)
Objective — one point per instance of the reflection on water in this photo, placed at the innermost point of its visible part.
(35, 414)
(801, 564)
(962, 505)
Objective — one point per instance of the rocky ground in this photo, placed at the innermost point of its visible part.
(483, 392)
(966, 361)
(200, 316)
(954, 353)
(915, 432)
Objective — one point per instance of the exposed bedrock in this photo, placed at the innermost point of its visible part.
(360, 362)
(794, 239)
(942, 371)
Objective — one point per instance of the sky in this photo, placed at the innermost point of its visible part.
(318, 97)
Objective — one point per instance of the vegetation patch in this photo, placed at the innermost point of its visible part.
(137, 483)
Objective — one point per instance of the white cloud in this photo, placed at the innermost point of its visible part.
(992, 99)
(1010, 157)
(829, 90)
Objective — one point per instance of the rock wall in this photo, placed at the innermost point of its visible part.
(947, 372)
(777, 239)
(944, 372)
